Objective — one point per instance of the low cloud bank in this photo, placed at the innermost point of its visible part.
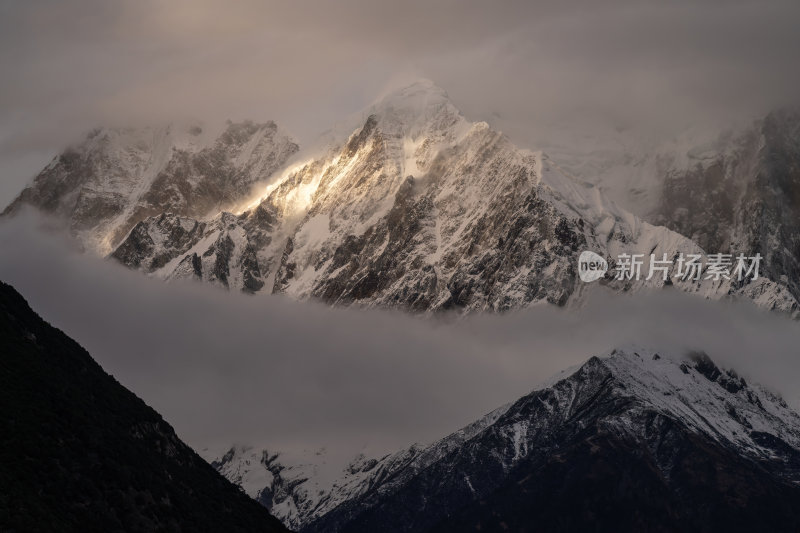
(225, 368)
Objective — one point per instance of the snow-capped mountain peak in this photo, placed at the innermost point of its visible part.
(420, 209)
(415, 208)
(419, 109)
(637, 396)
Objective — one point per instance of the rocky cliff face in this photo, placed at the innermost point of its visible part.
(117, 178)
(742, 194)
(696, 446)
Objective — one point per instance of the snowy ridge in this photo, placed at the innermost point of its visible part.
(716, 402)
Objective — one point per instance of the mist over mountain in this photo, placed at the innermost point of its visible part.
(654, 69)
(400, 266)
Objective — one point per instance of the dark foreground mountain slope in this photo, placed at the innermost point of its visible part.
(79, 452)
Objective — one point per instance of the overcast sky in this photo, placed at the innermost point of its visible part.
(227, 368)
(528, 66)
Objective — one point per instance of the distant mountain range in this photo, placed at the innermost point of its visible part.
(420, 209)
(79, 452)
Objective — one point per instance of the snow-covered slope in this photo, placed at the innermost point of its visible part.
(420, 209)
(648, 400)
(117, 177)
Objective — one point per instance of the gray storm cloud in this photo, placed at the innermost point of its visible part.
(528, 66)
(225, 368)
